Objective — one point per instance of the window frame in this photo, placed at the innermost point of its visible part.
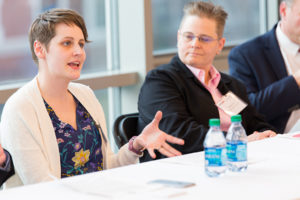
(135, 38)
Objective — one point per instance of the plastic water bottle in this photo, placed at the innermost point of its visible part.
(236, 140)
(215, 150)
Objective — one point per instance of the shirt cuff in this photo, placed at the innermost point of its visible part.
(6, 167)
(132, 149)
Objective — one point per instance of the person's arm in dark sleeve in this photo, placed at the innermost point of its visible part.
(251, 119)
(160, 92)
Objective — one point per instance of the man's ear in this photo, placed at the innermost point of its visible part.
(282, 9)
(39, 49)
(221, 45)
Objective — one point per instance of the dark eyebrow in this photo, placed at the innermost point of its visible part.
(206, 35)
(71, 38)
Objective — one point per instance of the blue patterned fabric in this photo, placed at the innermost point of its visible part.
(80, 150)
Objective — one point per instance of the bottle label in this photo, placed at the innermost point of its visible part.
(215, 156)
(236, 151)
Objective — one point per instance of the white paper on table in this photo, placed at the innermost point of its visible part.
(121, 189)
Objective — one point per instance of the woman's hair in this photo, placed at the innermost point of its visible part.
(43, 27)
(208, 10)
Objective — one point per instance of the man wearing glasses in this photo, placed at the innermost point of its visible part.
(189, 90)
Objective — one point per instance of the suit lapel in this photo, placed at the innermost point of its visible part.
(272, 48)
(188, 75)
(182, 68)
(222, 87)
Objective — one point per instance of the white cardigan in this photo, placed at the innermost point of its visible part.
(28, 134)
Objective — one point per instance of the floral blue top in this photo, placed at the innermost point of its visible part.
(80, 150)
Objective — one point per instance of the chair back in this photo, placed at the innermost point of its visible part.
(125, 127)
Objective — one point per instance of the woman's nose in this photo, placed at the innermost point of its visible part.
(78, 50)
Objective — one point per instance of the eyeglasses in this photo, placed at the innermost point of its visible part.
(188, 37)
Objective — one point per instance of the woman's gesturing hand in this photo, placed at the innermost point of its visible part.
(153, 138)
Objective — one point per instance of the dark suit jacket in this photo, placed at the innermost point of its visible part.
(259, 64)
(187, 105)
(4, 175)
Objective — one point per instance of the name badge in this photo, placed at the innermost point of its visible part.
(231, 104)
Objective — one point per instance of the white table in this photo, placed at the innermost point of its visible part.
(273, 173)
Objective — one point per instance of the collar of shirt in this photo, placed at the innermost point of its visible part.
(200, 75)
(285, 43)
(213, 90)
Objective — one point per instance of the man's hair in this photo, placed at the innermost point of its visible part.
(43, 27)
(288, 2)
(207, 10)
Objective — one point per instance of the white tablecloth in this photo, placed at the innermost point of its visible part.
(273, 173)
